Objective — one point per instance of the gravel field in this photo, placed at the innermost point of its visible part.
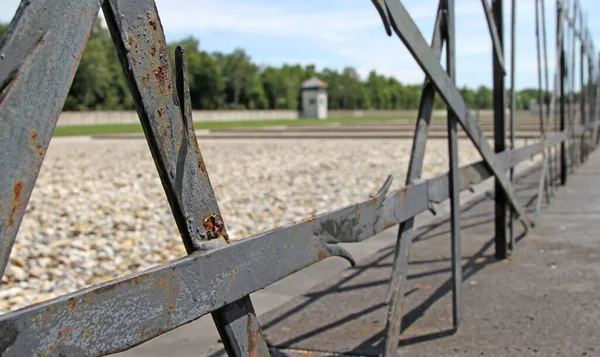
(99, 211)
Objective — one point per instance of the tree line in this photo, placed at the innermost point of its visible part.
(233, 81)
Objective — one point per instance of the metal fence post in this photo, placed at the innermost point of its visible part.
(543, 182)
(561, 50)
(219, 281)
(395, 294)
(454, 175)
(571, 75)
(499, 134)
(513, 108)
(582, 95)
(193, 202)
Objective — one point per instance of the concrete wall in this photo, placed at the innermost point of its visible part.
(128, 117)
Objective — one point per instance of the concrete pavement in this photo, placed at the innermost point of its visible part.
(542, 301)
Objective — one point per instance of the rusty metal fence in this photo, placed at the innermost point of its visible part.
(38, 57)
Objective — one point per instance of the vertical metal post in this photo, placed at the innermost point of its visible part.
(571, 83)
(543, 175)
(513, 108)
(165, 111)
(395, 294)
(582, 95)
(454, 175)
(561, 50)
(548, 123)
(499, 134)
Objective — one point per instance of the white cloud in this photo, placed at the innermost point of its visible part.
(350, 33)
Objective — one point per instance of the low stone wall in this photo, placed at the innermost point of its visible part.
(129, 117)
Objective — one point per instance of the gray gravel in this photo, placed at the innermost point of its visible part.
(99, 211)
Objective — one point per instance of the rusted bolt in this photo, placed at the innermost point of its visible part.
(215, 228)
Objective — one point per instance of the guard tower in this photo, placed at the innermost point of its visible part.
(314, 99)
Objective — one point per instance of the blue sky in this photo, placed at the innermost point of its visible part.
(339, 33)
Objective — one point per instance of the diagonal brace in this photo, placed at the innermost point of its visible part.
(494, 34)
(411, 36)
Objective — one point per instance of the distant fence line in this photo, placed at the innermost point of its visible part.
(130, 116)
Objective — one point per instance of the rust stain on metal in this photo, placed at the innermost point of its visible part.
(373, 200)
(143, 332)
(153, 51)
(322, 254)
(159, 282)
(214, 226)
(17, 204)
(201, 166)
(308, 219)
(307, 354)
(152, 23)
(63, 332)
(160, 111)
(171, 308)
(87, 333)
(160, 75)
(402, 196)
(252, 335)
(71, 303)
(110, 287)
(145, 79)
(36, 144)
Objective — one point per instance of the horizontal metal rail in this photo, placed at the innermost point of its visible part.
(125, 312)
(218, 275)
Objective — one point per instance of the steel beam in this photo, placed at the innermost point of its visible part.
(38, 44)
(397, 282)
(513, 108)
(120, 314)
(499, 139)
(562, 68)
(543, 180)
(453, 173)
(494, 33)
(550, 113)
(411, 36)
(168, 126)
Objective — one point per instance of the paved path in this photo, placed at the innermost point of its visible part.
(541, 302)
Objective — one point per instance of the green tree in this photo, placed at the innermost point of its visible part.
(483, 98)
(3, 28)
(243, 86)
(233, 81)
(207, 86)
(99, 83)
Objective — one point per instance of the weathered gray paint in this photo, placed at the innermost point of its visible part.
(409, 33)
(125, 312)
(217, 277)
(38, 57)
